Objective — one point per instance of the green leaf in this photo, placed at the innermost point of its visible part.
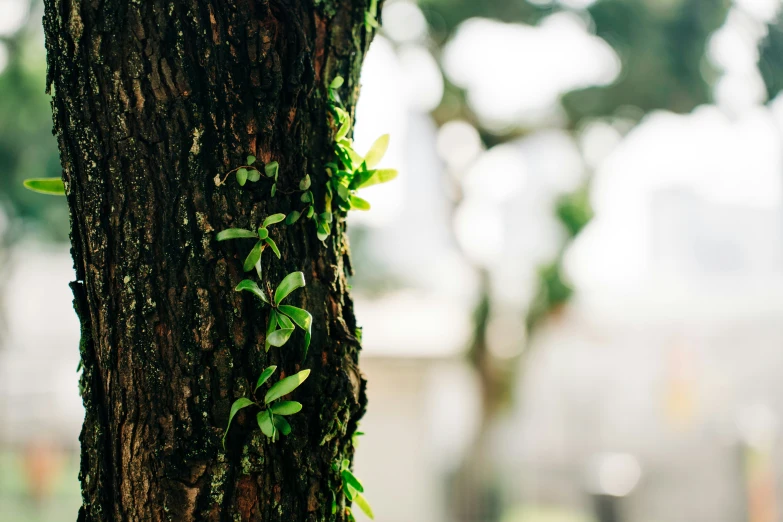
(326, 216)
(252, 287)
(263, 233)
(350, 479)
(323, 230)
(242, 176)
(265, 423)
(284, 322)
(358, 203)
(279, 337)
(253, 175)
(274, 218)
(273, 246)
(292, 217)
(274, 190)
(51, 186)
(303, 320)
(289, 283)
(286, 386)
(343, 192)
(253, 257)
(304, 184)
(271, 168)
(344, 129)
(310, 212)
(337, 82)
(265, 375)
(380, 176)
(243, 402)
(286, 408)
(236, 233)
(370, 21)
(349, 491)
(251, 159)
(364, 505)
(376, 152)
(270, 327)
(282, 425)
(306, 197)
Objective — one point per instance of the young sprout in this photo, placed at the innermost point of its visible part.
(253, 259)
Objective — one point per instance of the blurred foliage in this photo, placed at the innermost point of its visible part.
(27, 146)
(574, 210)
(662, 46)
(771, 58)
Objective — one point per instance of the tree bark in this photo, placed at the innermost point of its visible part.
(151, 101)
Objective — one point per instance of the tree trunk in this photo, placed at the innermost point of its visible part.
(152, 100)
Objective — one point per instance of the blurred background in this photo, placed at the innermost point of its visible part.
(572, 296)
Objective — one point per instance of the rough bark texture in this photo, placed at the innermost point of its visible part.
(151, 100)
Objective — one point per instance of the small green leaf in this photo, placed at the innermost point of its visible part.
(292, 217)
(265, 423)
(270, 328)
(242, 177)
(326, 216)
(337, 82)
(289, 283)
(265, 375)
(380, 176)
(251, 159)
(274, 190)
(284, 322)
(286, 386)
(343, 192)
(51, 186)
(273, 246)
(344, 129)
(263, 233)
(303, 320)
(274, 218)
(349, 491)
(370, 21)
(305, 183)
(307, 197)
(254, 256)
(310, 212)
(286, 408)
(358, 203)
(271, 168)
(350, 479)
(236, 233)
(252, 287)
(279, 337)
(376, 152)
(364, 505)
(323, 230)
(243, 402)
(282, 425)
(253, 175)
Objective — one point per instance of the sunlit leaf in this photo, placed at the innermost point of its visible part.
(290, 283)
(323, 230)
(274, 190)
(376, 152)
(252, 287)
(242, 176)
(360, 501)
(51, 186)
(273, 246)
(274, 218)
(286, 386)
(271, 169)
(265, 423)
(253, 257)
(284, 322)
(263, 233)
(270, 327)
(251, 159)
(305, 183)
(337, 82)
(236, 233)
(350, 479)
(253, 175)
(244, 402)
(279, 337)
(358, 203)
(303, 320)
(380, 176)
(286, 408)
(265, 375)
(344, 129)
